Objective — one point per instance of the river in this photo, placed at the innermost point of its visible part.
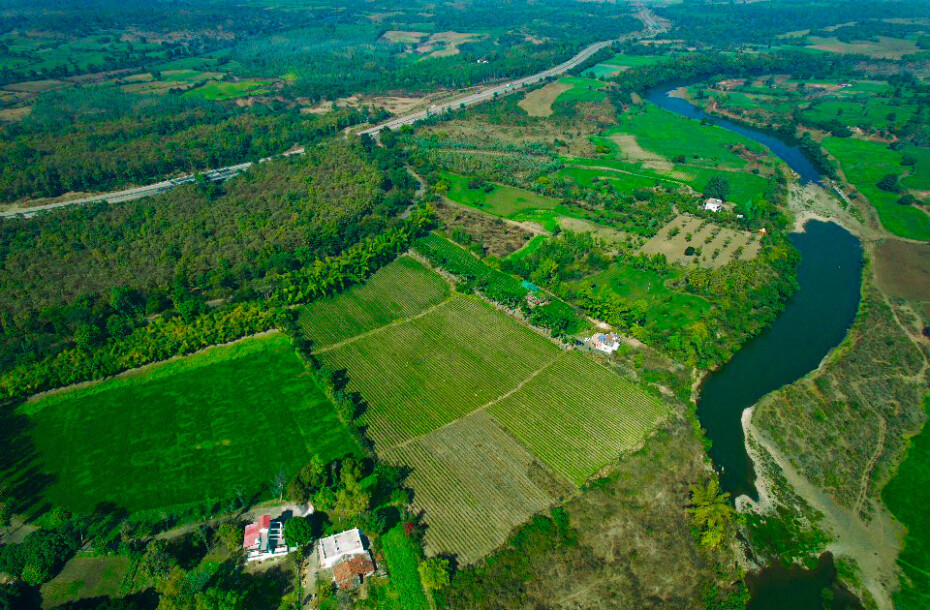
(814, 321)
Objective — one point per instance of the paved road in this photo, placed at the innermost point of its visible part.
(651, 27)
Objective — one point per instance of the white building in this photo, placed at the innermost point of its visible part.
(264, 539)
(713, 204)
(337, 547)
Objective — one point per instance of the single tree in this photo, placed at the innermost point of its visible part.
(434, 573)
(889, 183)
(718, 187)
(298, 531)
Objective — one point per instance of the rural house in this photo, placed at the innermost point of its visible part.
(337, 547)
(351, 571)
(713, 204)
(607, 343)
(264, 539)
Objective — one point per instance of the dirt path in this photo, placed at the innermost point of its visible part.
(375, 331)
(873, 546)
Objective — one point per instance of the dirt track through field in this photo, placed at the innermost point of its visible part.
(375, 331)
(490, 403)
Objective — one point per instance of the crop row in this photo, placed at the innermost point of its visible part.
(472, 480)
(578, 416)
(425, 373)
(401, 289)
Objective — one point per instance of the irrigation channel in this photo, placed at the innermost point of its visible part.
(814, 321)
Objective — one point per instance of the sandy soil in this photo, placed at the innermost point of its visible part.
(636, 153)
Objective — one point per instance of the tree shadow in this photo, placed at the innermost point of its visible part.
(20, 464)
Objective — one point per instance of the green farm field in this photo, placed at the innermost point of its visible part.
(864, 164)
(217, 91)
(582, 90)
(185, 430)
(395, 291)
(620, 62)
(486, 411)
(907, 496)
(503, 201)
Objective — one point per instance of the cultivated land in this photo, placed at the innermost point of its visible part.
(539, 102)
(864, 164)
(194, 430)
(883, 47)
(729, 244)
(401, 289)
(471, 463)
(496, 421)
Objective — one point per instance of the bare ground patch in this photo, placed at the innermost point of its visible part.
(498, 236)
(538, 103)
(638, 154)
(903, 269)
(714, 245)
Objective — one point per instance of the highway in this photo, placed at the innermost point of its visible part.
(651, 28)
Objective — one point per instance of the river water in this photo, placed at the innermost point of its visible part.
(814, 321)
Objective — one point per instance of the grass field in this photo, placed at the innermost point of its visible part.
(907, 495)
(621, 62)
(396, 291)
(864, 164)
(504, 201)
(539, 102)
(185, 430)
(668, 310)
(582, 90)
(669, 135)
(496, 421)
(216, 91)
(83, 578)
(884, 47)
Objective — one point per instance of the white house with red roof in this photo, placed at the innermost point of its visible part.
(264, 539)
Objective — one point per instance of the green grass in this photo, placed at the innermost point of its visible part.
(864, 163)
(583, 90)
(186, 430)
(504, 201)
(401, 289)
(620, 61)
(668, 310)
(531, 246)
(402, 559)
(85, 577)
(907, 495)
(744, 186)
(217, 91)
(669, 135)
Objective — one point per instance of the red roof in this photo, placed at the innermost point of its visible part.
(253, 531)
(251, 536)
(348, 571)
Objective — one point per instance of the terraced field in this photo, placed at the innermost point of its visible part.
(399, 290)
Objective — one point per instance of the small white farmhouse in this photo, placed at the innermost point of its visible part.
(713, 204)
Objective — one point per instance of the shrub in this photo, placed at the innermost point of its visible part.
(889, 183)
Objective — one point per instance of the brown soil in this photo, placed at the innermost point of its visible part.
(903, 269)
(539, 102)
